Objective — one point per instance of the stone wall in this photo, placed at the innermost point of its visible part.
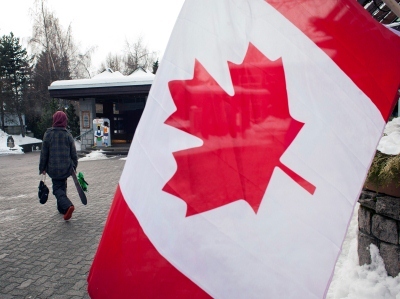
(379, 224)
(88, 106)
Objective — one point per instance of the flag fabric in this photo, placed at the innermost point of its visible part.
(248, 160)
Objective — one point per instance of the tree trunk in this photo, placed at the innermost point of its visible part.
(2, 106)
(2, 115)
(21, 124)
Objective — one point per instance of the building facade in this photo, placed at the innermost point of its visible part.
(109, 99)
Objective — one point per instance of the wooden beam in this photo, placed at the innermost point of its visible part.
(394, 6)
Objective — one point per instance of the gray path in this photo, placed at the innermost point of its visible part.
(41, 255)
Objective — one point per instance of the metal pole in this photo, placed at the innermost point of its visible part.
(394, 6)
(398, 108)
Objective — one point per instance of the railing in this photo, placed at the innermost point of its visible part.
(84, 134)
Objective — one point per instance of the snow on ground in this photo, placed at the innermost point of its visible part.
(390, 142)
(18, 140)
(78, 145)
(94, 155)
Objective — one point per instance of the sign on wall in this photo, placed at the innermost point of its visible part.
(85, 120)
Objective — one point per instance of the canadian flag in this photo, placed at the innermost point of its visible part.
(250, 155)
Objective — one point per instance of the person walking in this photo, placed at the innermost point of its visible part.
(58, 158)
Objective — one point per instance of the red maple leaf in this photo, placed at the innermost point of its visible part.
(243, 135)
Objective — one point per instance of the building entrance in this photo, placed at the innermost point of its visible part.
(124, 114)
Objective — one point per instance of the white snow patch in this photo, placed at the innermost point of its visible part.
(78, 145)
(18, 140)
(390, 141)
(94, 155)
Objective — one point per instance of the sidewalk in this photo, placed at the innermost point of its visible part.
(41, 255)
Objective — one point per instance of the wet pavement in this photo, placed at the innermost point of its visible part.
(41, 255)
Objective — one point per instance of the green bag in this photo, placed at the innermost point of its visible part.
(82, 181)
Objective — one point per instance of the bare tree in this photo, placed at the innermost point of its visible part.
(114, 62)
(50, 38)
(56, 57)
(84, 63)
(136, 54)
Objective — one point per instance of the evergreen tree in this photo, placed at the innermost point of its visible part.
(15, 72)
(43, 106)
(3, 93)
(73, 120)
(155, 67)
(46, 118)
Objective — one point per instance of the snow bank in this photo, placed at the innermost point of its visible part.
(94, 155)
(18, 140)
(390, 142)
(78, 145)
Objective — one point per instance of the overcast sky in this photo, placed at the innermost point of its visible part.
(105, 24)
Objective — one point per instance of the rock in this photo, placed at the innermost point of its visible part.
(391, 257)
(364, 219)
(385, 229)
(368, 202)
(388, 206)
(364, 241)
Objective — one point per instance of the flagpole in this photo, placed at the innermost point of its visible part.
(394, 6)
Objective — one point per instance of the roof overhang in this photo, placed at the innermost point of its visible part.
(106, 83)
(93, 92)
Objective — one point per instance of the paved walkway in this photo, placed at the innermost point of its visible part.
(41, 255)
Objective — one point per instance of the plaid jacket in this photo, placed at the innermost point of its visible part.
(58, 153)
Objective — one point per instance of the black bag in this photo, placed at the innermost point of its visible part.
(43, 193)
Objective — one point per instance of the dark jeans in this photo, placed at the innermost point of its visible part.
(60, 192)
